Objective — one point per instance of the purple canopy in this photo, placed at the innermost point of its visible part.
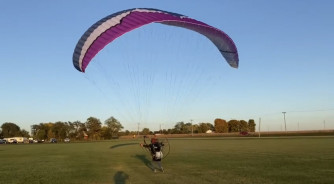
(109, 28)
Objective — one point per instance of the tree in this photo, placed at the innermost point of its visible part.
(233, 126)
(220, 126)
(49, 133)
(203, 127)
(211, 127)
(243, 126)
(71, 130)
(34, 129)
(127, 132)
(41, 135)
(24, 133)
(114, 125)
(10, 130)
(43, 131)
(251, 125)
(146, 131)
(187, 128)
(124, 133)
(195, 128)
(182, 128)
(106, 133)
(178, 128)
(93, 126)
(78, 130)
(60, 130)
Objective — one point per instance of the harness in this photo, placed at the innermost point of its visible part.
(156, 151)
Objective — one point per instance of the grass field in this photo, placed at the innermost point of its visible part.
(191, 161)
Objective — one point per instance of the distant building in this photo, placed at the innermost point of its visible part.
(209, 132)
(17, 139)
(85, 135)
(21, 139)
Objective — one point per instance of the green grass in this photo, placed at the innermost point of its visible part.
(191, 161)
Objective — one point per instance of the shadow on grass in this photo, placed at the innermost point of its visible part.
(146, 161)
(120, 177)
(120, 145)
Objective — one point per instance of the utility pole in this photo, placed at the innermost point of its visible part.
(259, 127)
(161, 127)
(324, 125)
(192, 128)
(138, 129)
(284, 121)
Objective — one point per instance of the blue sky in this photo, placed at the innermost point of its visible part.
(285, 50)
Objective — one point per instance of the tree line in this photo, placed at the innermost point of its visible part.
(94, 129)
(219, 126)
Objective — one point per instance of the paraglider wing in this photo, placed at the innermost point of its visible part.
(111, 27)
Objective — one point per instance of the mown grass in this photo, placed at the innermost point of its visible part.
(194, 160)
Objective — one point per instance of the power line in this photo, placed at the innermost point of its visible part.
(319, 110)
